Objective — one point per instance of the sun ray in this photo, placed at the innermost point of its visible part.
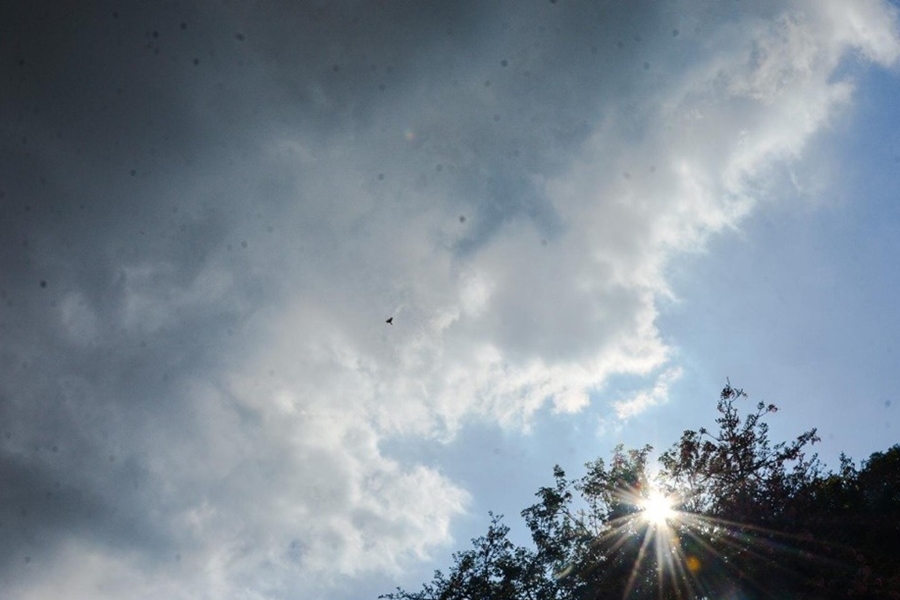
(692, 554)
(637, 566)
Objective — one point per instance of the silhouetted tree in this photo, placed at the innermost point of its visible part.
(752, 519)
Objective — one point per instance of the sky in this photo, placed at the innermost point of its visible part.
(583, 217)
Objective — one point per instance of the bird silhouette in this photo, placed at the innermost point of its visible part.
(390, 321)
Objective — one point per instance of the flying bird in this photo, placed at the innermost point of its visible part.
(390, 321)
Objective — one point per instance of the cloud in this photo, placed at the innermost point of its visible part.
(626, 409)
(198, 396)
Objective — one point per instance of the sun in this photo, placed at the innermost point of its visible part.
(657, 509)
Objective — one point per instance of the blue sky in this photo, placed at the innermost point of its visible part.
(815, 327)
(581, 216)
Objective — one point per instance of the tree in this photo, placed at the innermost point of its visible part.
(750, 518)
(493, 568)
(738, 493)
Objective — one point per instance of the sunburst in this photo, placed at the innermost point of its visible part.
(657, 508)
(673, 553)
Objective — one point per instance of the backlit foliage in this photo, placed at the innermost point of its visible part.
(745, 518)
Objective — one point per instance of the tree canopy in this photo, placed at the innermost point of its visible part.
(729, 514)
